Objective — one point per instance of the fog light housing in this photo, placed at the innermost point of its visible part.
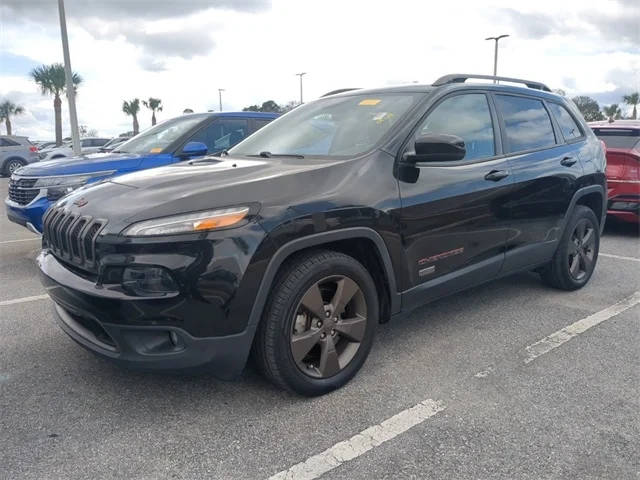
(143, 281)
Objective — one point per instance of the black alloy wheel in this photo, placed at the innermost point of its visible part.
(329, 325)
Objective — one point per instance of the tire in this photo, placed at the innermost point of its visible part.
(575, 259)
(11, 165)
(288, 324)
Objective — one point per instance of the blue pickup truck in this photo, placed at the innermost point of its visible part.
(33, 188)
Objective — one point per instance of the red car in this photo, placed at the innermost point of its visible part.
(622, 138)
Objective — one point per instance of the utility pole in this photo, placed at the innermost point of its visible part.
(495, 55)
(71, 92)
(220, 90)
(301, 75)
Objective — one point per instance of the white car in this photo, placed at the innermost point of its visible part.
(87, 145)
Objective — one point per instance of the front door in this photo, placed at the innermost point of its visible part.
(453, 215)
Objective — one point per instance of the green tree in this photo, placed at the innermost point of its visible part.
(612, 112)
(8, 108)
(155, 105)
(268, 106)
(633, 99)
(589, 108)
(51, 80)
(132, 108)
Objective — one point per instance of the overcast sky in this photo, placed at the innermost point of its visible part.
(183, 51)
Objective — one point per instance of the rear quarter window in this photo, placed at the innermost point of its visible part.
(569, 127)
(526, 122)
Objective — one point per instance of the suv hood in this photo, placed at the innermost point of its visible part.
(95, 162)
(197, 185)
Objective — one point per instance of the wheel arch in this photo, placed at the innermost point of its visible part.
(592, 196)
(349, 241)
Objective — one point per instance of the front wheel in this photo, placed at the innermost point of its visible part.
(318, 325)
(12, 165)
(576, 256)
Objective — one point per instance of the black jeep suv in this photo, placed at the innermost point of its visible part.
(345, 212)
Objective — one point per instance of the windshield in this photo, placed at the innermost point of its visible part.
(157, 138)
(345, 125)
(618, 137)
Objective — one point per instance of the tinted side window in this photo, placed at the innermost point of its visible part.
(467, 116)
(527, 123)
(5, 142)
(261, 122)
(223, 133)
(568, 125)
(85, 143)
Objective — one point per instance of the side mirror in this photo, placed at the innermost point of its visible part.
(437, 147)
(194, 149)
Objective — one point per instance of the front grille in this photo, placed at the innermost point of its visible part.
(21, 190)
(72, 237)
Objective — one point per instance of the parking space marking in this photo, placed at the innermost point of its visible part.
(20, 240)
(361, 443)
(567, 333)
(23, 300)
(619, 257)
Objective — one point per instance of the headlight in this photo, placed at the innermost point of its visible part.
(188, 223)
(60, 186)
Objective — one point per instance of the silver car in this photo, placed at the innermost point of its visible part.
(15, 152)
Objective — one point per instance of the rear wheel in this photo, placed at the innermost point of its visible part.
(576, 256)
(12, 165)
(318, 326)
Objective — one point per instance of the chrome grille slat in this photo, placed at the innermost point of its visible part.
(21, 190)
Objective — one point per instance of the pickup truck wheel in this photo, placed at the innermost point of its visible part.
(318, 325)
(12, 165)
(576, 256)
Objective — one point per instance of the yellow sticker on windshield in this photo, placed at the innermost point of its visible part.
(370, 101)
(155, 150)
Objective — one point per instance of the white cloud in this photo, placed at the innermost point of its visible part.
(184, 54)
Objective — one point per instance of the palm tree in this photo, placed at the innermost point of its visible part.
(612, 111)
(51, 80)
(8, 108)
(633, 99)
(132, 108)
(155, 105)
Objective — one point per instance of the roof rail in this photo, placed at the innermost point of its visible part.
(461, 77)
(340, 90)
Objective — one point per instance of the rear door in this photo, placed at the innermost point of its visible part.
(545, 167)
(452, 217)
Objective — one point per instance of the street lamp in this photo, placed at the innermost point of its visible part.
(495, 54)
(300, 75)
(220, 90)
(71, 92)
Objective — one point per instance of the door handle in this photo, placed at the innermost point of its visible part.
(568, 161)
(496, 175)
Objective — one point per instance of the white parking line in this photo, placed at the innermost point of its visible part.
(361, 443)
(567, 333)
(20, 240)
(23, 300)
(619, 257)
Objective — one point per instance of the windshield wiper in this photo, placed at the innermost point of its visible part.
(266, 154)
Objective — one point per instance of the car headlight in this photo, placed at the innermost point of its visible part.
(60, 186)
(188, 222)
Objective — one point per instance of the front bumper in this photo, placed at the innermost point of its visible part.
(30, 215)
(86, 313)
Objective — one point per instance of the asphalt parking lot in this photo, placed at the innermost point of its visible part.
(509, 380)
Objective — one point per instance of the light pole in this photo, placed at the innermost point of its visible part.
(495, 54)
(220, 90)
(71, 92)
(301, 74)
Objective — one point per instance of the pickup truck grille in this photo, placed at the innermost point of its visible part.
(72, 237)
(21, 190)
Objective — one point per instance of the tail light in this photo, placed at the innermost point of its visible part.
(33, 149)
(604, 146)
